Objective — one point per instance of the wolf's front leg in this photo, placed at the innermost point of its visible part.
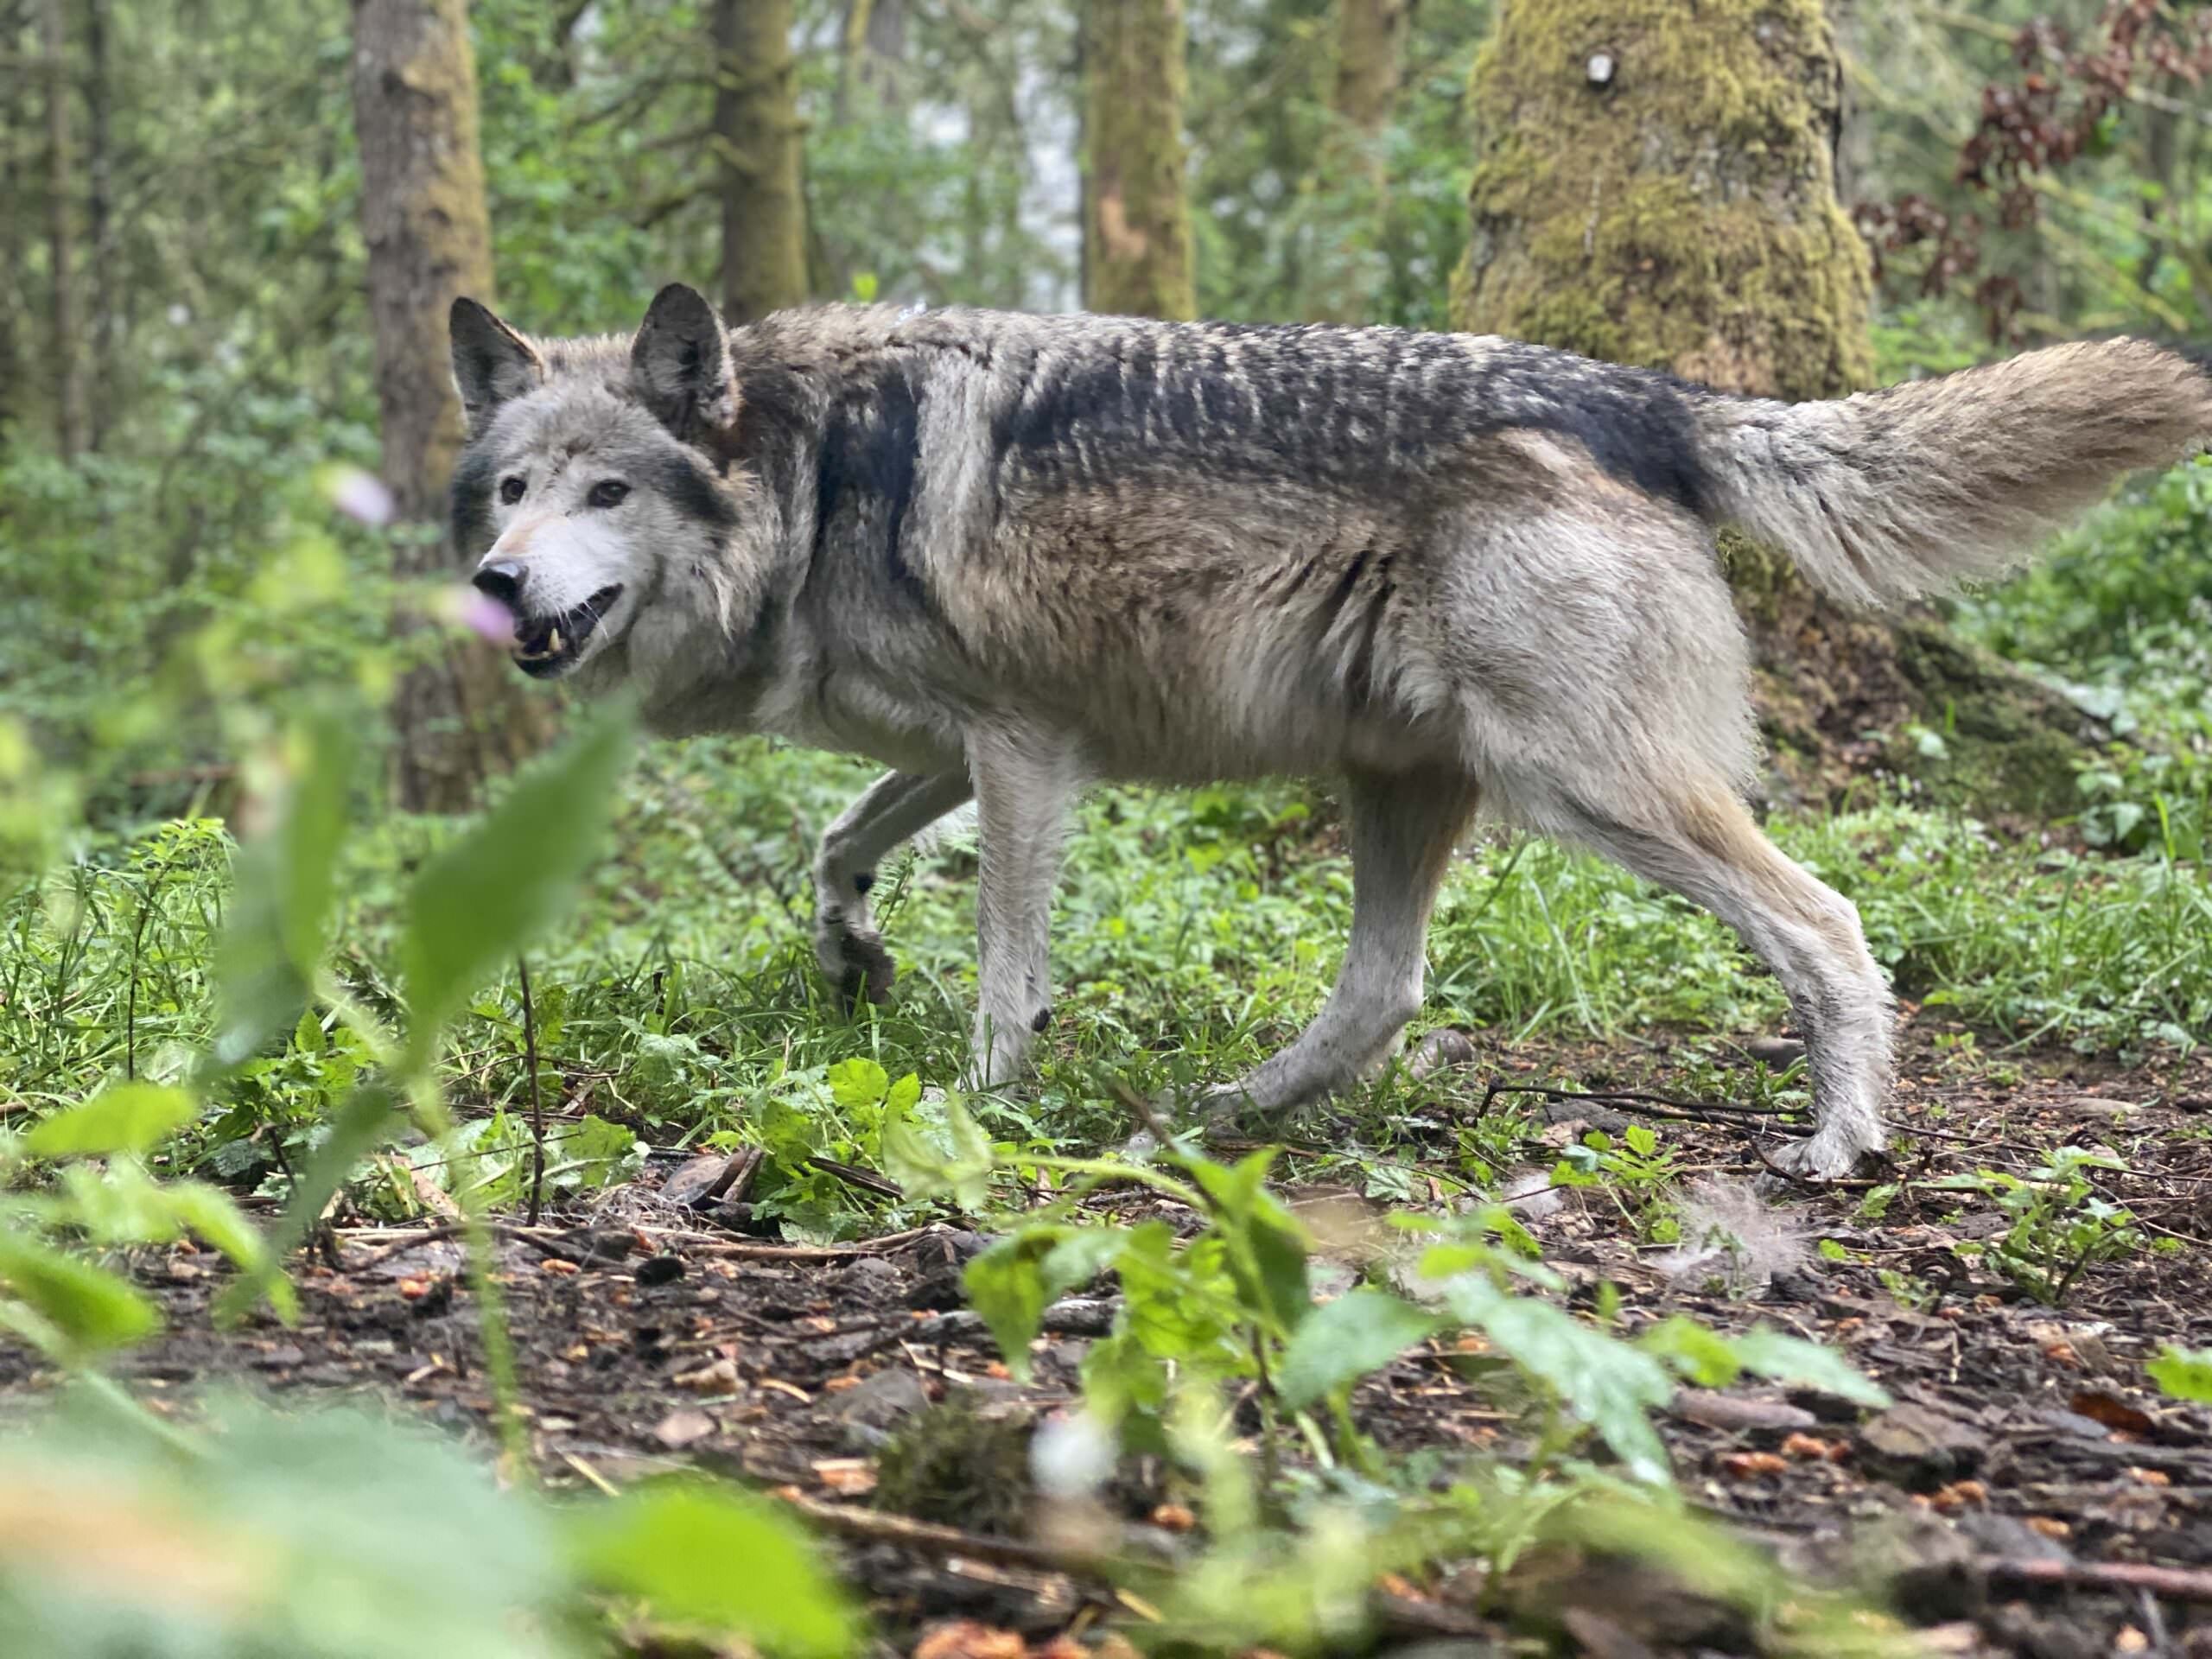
(895, 806)
(1024, 782)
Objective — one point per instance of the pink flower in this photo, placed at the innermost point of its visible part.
(361, 496)
(487, 619)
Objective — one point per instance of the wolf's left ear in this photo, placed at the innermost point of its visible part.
(681, 364)
(491, 362)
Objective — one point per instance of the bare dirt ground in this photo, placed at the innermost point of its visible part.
(2029, 1493)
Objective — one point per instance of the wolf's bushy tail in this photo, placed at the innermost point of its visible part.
(1914, 490)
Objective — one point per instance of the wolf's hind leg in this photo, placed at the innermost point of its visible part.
(1024, 785)
(1702, 843)
(895, 806)
(1404, 828)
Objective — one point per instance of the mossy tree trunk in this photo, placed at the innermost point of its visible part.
(1655, 184)
(757, 153)
(1137, 208)
(462, 715)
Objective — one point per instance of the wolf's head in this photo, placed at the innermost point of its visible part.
(596, 491)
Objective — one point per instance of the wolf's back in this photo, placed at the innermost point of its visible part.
(1893, 494)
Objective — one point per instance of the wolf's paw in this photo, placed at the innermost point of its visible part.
(1823, 1157)
(855, 961)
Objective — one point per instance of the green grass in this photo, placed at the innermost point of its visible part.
(1194, 933)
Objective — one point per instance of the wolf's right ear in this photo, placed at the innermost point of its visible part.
(491, 362)
(680, 362)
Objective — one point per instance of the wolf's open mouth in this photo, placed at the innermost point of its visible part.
(545, 645)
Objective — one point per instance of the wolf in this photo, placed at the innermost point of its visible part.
(1007, 556)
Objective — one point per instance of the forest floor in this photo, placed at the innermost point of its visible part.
(2019, 1498)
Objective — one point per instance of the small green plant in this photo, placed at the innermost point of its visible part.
(2183, 1374)
(1230, 1308)
(2061, 1224)
(1638, 1173)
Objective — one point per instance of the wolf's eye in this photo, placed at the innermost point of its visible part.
(511, 490)
(607, 493)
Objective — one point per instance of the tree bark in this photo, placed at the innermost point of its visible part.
(1655, 184)
(757, 150)
(460, 715)
(1136, 209)
(1344, 270)
(14, 206)
(873, 58)
(66, 355)
(1370, 53)
(100, 179)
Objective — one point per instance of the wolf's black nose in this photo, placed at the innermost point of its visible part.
(501, 579)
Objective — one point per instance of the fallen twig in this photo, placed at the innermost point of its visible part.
(2175, 1583)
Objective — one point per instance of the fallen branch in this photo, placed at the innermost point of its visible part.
(2174, 1583)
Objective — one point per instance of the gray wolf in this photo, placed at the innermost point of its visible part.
(1006, 556)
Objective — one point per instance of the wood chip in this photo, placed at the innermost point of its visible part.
(683, 1426)
(1749, 1466)
(1959, 1495)
(719, 1377)
(1811, 1448)
(847, 1477)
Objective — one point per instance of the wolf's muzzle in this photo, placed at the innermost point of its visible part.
(544, 645)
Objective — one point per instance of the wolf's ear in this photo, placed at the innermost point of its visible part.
(681, 364)
(491, 362)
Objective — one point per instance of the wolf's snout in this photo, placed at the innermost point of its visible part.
(501, 579)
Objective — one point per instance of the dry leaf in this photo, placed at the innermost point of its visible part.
(966, 1639)
(1173, 1517)
(848, 1476)
(721, 1377)
(2108, 1410)
(1747, 1465)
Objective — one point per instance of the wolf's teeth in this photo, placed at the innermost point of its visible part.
(553, 642)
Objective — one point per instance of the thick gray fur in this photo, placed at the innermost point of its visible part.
(1010, 555)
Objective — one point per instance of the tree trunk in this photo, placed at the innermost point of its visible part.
(757, 149)
(100, 179)
(461, 715)
(871, 67)
(70, 424)
(1655, 184)
(14, 203)
(1136, 211)
(1345, 269)
(1370, 51)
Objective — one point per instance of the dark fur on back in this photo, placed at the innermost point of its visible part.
(1319, 403)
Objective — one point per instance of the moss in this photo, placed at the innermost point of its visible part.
(2003, 742)
(1683, 215)
(955, 1464)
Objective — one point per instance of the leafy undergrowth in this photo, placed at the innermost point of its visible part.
(678, 1003)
